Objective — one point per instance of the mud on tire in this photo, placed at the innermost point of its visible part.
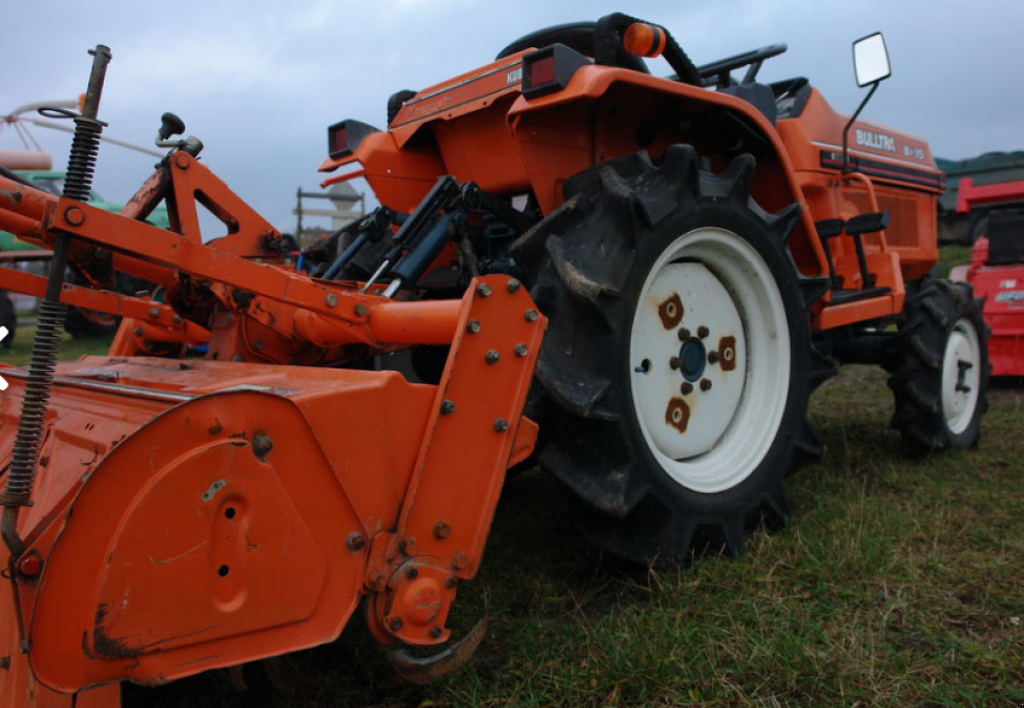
(678, 361)
(940, 370)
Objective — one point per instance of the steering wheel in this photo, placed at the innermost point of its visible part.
(723, 67)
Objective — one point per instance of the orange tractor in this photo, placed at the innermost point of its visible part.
(702, 250)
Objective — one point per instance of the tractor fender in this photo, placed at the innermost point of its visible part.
(607, 99)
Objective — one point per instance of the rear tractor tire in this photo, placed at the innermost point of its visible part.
(678, 360)
(940, 374)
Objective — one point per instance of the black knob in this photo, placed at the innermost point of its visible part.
(171, 125)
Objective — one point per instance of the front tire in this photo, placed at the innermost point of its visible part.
(940, 375)
(678, 360)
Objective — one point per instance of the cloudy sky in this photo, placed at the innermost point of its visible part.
(259, 81)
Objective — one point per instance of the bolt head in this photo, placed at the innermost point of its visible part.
(521, 350)
(397, 624)
(712, 357)
(703, 332)
(531, 315)
(684, 334)
(705, 384)
(473, 326)
(258, 344)
(675, 362)
(262, 445)
(500, 425)
(436, 632)
(176, 319)
(450, 582)
(137, 331)
(412, 573)
(442, 530)
(331, 300)
(686, 388)
(74, 216)
(360, 310)
(355, 541)
(30, 565)
(492, 356)
(154, 313)
(513, 285)
(447, 407)
(483, 290)
(407, 546)
(460, 561)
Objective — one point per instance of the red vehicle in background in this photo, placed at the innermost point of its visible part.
(997, 268)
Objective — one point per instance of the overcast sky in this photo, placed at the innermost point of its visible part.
(259, 81)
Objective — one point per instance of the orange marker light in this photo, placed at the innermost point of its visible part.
(644, 40)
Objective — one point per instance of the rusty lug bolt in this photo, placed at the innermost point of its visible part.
(447, 407)
(473, 326)
(675, 362)
(684, 334)
(74, 216)
(521, 350)
(712, 357)
(705, 384)
(262, 444)
(360, 310)
(460, 561)
(442, 530)
(436, 632)
(703, 332)
(500, 425)
(530, 315)
(513, 285)
(492, 356)
(355, 541)
(331, 300)
(397, 624)
(412, 573)
(686, 389)
(483, 290)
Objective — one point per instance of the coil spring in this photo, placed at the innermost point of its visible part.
(82, 162)
(29, 439)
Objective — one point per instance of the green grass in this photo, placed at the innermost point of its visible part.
(896, 584)
(952, 256)
(71, 348)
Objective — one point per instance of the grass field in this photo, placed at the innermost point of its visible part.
(896, 584)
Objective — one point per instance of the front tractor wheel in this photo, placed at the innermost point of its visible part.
(940, 375)
(678, 360)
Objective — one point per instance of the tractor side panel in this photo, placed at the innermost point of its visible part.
(900, 166)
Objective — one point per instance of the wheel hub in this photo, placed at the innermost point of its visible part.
(694, 360)
(961, 376)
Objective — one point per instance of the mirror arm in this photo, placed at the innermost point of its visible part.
(853, 119)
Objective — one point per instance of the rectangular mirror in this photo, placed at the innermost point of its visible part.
(870, 59)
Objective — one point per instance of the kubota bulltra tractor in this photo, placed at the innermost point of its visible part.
(704, 251)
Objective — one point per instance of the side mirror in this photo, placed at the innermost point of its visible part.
(870, 59)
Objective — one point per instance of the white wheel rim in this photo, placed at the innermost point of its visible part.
(961, 376)
(723, 284)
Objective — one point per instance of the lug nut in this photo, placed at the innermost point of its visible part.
(684, 334)
(473, 326)
(703, 332)
(492, 356)
(675, 362)
(705, 384)
(712, 357)
(686, 389)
